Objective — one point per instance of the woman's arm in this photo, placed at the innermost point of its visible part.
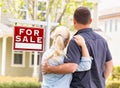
(71, 67)
(86, 60)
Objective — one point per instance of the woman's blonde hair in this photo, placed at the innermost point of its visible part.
(60, 38)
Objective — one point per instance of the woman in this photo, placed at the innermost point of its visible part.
(55, 56)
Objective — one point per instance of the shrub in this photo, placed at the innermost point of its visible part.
(19, 82)
(113, 84)
(116, 73)
(114, 79)
(20, 85)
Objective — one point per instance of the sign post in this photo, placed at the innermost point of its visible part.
(28, 38)
(47, 24)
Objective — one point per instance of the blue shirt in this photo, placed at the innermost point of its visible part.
(61, 80)
(98, 49)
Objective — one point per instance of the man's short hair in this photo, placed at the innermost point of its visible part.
(82, 15)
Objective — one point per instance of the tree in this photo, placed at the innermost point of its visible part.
(61, 11)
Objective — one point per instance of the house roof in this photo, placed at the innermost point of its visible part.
(5, 30)
(110, 12)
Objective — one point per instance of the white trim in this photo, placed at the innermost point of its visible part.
(3, 62)
(23, 59)
(5, 31)
(32, 22)
(30, 61)
(35, 73)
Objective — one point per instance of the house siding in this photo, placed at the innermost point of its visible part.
(109, 22)
(16, 71)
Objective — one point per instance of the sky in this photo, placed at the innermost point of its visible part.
(105, 4)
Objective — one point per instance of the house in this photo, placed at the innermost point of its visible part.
(16, 63)
(109, 22)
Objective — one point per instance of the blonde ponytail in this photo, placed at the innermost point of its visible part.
(59, 45)
(60, 35)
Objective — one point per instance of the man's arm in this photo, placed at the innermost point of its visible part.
(60, 69)
(108, 68)
(71, 67)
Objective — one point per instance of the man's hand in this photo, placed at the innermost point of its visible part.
(65, 68)
(45, 68)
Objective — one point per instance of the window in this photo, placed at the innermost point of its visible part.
(42, 9)
(111, 25)
(116, 25)
(106, 26)
(32, 59)
(23, 12)
(41, 6)
(18, 58)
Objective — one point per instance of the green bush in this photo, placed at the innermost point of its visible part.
(116, 73)
(114, 79)
(21, 85)
(113, 84)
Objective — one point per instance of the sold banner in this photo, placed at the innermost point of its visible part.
(28, 38)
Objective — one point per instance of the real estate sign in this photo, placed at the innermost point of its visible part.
(28, 38)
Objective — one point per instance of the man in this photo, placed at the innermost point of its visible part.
(98, 49)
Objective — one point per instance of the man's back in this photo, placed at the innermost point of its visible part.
(98, 49)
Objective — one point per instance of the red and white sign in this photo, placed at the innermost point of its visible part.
(28, 38)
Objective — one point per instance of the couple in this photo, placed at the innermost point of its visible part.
(72, 70)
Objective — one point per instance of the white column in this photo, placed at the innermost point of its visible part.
(35, 10)
(35, 74)
(95, 15)
(47, 33)
(26, 9)
(3, 56)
